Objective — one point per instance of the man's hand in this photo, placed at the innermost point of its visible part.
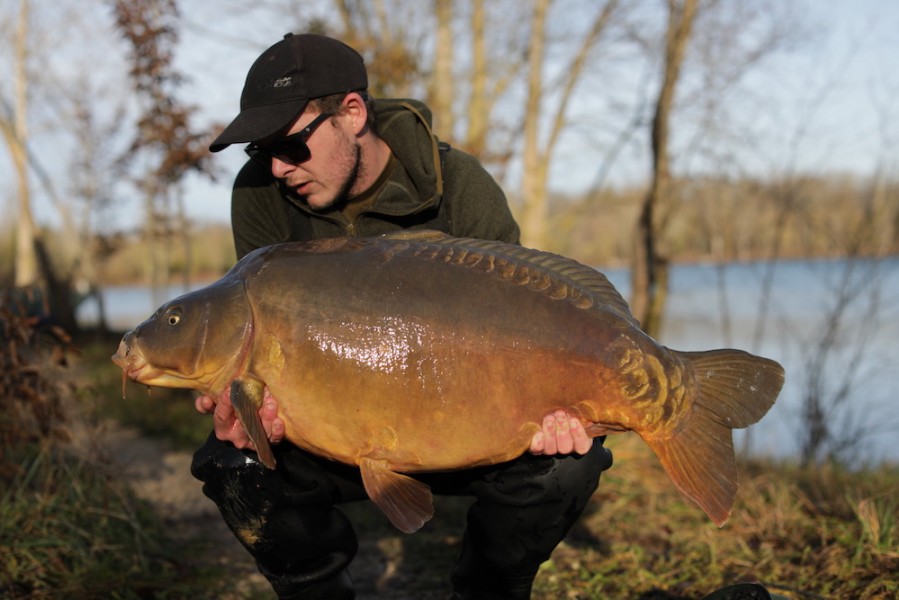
(561, 434)
(227, 426)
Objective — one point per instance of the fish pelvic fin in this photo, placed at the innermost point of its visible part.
(407, 502)
(246, 397)
(735, 390)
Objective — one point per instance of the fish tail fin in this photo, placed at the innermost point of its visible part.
(734, 389)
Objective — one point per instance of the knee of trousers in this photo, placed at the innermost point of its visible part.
(225, 471)
(537, 480)
(244, 490)
(283, 522)
(523, 511)
(580, 474)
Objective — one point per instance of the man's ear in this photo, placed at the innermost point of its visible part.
(355, 110)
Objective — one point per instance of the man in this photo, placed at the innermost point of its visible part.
(329, 161)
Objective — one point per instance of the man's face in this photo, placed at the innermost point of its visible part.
(330, 173)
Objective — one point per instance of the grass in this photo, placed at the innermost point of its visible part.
(69, 531)
(823, 533)
(800, 532)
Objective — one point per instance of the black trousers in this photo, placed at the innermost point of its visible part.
(288, 520)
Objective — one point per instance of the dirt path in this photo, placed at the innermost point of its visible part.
(388, 565)
(161, 476)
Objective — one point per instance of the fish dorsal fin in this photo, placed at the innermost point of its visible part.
(555, 276)
(407, 502)
(416, 235)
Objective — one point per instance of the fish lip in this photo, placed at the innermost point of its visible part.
(140, 370)
(132, 363)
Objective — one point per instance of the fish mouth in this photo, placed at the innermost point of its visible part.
(132, 363)
(135, 366)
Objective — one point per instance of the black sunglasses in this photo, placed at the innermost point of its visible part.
(291, 149)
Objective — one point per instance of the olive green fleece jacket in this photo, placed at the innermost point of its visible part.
(458, 196)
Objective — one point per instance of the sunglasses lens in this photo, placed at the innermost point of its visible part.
(292, 152)
(259, 156)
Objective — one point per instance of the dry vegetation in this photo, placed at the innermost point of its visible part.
(68, 526)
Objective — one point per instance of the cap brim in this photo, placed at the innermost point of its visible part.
(258, 123)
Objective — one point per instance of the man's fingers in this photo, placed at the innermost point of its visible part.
(274, 426)
(277, 433)
(564, 443)
(268, 414)
(561, 434)
(269, 410)
(582, 441)
(223, 415)
(537, 443)
(204, 405)
(227, 426)
(549, 435)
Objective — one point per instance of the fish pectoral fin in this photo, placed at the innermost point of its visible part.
(246, 397)
(407, 502)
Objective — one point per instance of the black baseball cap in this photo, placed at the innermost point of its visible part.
(283, 80)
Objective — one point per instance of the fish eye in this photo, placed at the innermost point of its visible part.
(174, 318)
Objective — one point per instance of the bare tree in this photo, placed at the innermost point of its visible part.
(537, 156)
(13, 124)
(479, 104)
(394, 52)
(442, 84)
(839, 359)
(487, 61)
(47, 291)
(165, 138)
(650, 268)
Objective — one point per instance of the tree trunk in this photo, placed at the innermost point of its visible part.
(479, 105)
(442, 90)
(16, 134)
(533, 222)
(649, 276)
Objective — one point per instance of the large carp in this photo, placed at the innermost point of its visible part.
(421, 352)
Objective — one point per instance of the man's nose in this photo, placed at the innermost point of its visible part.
(280, 169)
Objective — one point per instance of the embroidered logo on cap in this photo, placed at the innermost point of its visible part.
(283, 82)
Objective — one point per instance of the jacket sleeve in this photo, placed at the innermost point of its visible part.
(258, 212)
(478, 206)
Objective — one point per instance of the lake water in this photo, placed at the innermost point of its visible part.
(713, 306)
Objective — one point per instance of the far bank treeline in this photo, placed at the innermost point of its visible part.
(713, 220)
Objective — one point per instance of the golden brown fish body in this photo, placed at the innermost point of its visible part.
(421, 352)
